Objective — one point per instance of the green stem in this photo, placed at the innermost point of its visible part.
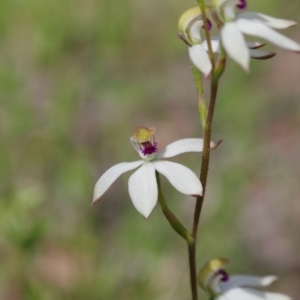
(203, 179)
(172, 219)
(206, 152)
(193, 269)
(217, 73)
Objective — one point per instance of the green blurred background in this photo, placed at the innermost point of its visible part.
(76, 78)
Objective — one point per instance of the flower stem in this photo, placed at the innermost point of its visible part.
(217, 73)
(193, 269)
(203, 179)
(206, 152)
(172, 219)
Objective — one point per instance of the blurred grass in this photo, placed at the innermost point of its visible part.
(76, 78)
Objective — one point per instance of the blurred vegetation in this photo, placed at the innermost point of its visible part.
(76, 78)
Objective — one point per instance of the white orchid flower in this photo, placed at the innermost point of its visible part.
(142, 184)
(221, 286)
(190, 25)
(249, 23)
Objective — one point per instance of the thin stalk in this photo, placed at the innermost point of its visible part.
(203, 179)
(218, 70)
(217, 73)
(193, 270)
(172, 219)
(206, 153)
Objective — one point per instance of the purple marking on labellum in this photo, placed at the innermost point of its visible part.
(209, 24)
(242, 4)
(148, 148)
(224, 275)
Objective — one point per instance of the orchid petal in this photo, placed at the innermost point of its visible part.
(136, 147)
(245, 280)
(200, 59)
(142, 188)
(260, 54)
(214, 45)
(219, 3)
(190, 23)
(263, 31)
(181, 146)
(249, 294)
(182, 178)
(110, 176)
(267, 20)
(229, 9)
(254, 45)
(235, 45)
(195, 30)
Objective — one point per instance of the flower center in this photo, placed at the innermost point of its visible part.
(242, 4)
(224, 275)
(190, 24)
(148, 147)
(144, 142)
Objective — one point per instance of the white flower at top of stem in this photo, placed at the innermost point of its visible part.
(142, 184)
(221, 286)
(190, 26)
(250, 23)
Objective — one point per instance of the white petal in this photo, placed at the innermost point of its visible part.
(196, 29)
(200, 59)
(244, 280)
(263, 31)
(268, 20)
(182, 146)
(220, 2)
(261, 54)
(181, 177)
(214, 45)
(249, 294)
(110, 176)
(235, 45)
(229, 9)
(254, 45)
(142, 188)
